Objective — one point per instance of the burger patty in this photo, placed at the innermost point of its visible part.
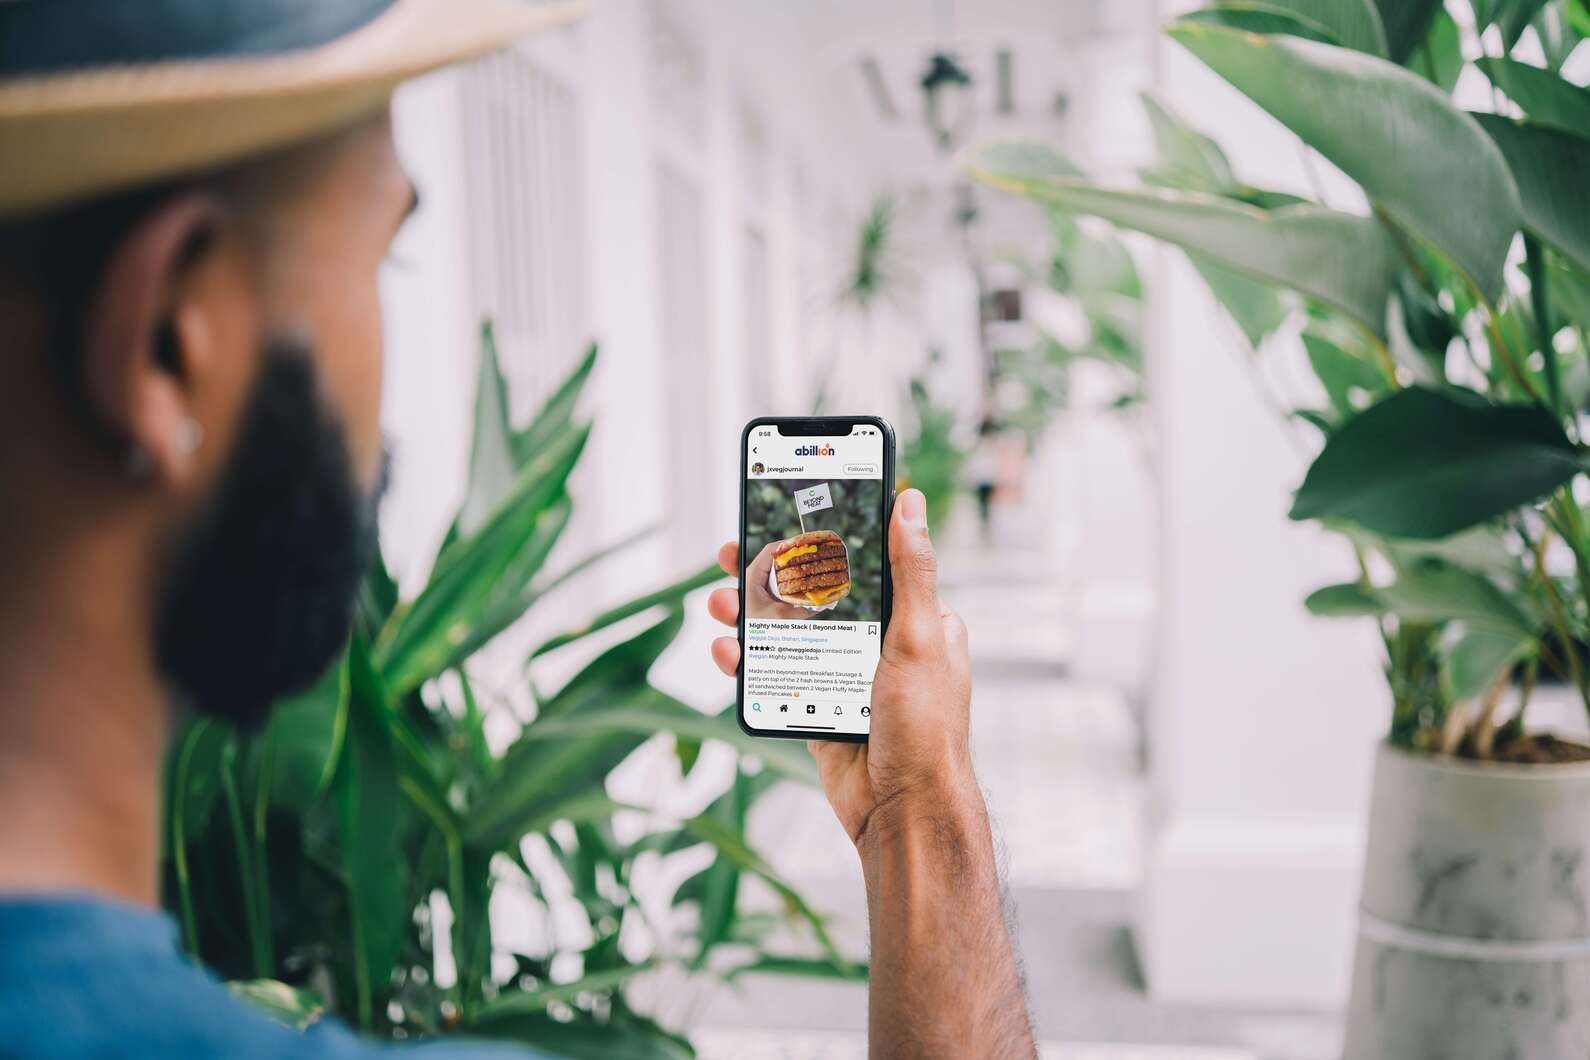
(802, 584)
(818, 565)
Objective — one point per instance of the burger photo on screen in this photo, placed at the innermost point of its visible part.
(812, 570)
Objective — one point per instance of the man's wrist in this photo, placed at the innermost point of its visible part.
(939, 826)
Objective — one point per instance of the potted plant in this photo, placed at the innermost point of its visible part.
(1447, 329)
(345, 857)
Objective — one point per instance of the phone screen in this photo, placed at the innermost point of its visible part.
(815, 592)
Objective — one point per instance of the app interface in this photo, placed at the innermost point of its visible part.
(813, 576)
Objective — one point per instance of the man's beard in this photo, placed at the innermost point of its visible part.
(260, 595)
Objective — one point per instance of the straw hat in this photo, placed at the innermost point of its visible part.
(100, 95)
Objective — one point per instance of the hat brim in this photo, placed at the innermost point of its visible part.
(71, 136)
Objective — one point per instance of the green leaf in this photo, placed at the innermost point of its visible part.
(1189, 160)
(454, 600)
(492, 471)
(370, 820)
(1578, 15)
(732, 846)
(1345, 261)
(801, 968)
(1474, 662)
(1349, 23)
(1426, 463)
(1347, 600)
(1543, 95)
(786, 757)
(1406, 23)
(668, 594)
(196, 775)
(1513, 16)
(1569, 289)
(292, 1005)
(521, 1002)
(305, 734)
(1257, 308)
(1440, 592)
(1254, 17)
(1552, 170)
(555, 416)
(1439, 59)
(1558, 36)
(1343, 375)
(1423, 161)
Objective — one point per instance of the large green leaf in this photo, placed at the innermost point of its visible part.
(492, 471)
(1439, 59)
(556, 414)
(1345, 261)
(1440, 592)
(1544, 96)
(1474, 662)
(1188, 159)
(1426, 463)
(668, 594)
(305, 735)
(370, 820)
(1257, 308)
(1552, 169)
(1350, 23)
(1406, 22)
(1343, 375)
(460, 588)
(1347, 600)
(1250, 16)
(1424, 162)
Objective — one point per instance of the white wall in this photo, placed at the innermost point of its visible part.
(1262, 719)
(803, 182)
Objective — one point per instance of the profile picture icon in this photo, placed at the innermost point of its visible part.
(757, 468)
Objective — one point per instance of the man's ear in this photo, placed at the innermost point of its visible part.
(143, 339)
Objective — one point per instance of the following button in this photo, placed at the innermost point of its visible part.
(861, 469)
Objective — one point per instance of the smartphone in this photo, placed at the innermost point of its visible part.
(815, 495)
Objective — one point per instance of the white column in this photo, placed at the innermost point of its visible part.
(1262, 719)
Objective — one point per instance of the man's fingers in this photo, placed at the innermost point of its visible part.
(726, 653)
(729, 558)
(724, 605)
(916, 572)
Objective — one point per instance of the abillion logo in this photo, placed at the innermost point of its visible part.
(815, 450)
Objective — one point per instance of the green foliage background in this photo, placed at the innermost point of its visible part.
(856, 516)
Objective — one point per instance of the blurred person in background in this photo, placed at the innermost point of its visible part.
(195, 200)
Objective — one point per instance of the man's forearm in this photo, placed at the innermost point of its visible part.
(944, 974)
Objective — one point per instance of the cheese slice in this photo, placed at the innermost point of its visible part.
(822, 596)
(803, 550)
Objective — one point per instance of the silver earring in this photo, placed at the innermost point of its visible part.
(189, 437)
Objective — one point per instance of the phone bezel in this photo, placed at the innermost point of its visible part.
(801, 426)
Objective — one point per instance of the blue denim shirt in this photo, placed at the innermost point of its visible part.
(88, 977)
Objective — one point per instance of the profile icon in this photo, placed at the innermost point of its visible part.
(757, 468)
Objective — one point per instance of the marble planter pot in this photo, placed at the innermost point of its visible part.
(1474, 939)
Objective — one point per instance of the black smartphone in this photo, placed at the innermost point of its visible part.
(815, 494)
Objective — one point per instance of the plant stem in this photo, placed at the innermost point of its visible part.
(245, 869)
(1535, 267)
(1484, 731)
(262, 886)
(1560, 620)
(179, 843)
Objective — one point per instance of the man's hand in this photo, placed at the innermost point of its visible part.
(921, 697)
(944, 976)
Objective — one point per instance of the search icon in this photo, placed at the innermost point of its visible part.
(757, 707)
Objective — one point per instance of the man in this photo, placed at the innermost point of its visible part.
(195, 198)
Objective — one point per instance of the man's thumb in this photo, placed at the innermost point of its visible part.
(912, 561)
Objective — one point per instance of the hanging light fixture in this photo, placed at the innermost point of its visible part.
(947, 95)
